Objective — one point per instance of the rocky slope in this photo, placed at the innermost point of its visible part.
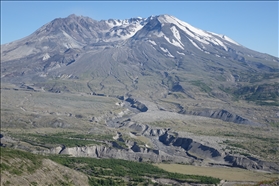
(158, 43)
(24, 169)
(130, 75)
(150, 58)
(167, 146)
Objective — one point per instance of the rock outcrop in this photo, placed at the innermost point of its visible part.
(135, 153)
(168, 146)
(223, 115)
(136, 104)
(251, 163)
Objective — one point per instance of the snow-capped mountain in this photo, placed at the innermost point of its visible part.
(76, 45)
(78, 32)
(150, 79)
(160, 58)
(204, 38)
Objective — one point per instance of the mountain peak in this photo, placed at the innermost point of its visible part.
(75, 16)
(72, 15)
(118, 22)
(79, 31)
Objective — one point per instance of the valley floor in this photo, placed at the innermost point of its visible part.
(224, 173)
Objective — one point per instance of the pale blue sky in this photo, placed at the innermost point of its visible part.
(253, 24)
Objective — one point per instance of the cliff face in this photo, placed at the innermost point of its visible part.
(251, 163)
(135, 153)
(196, 152)
(223, 115)
(168, 147)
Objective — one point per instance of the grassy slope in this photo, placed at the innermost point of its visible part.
(20, 168)
(24, 167)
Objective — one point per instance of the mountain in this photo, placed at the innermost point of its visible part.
(65, 40)
(155, 79)
(118, 57)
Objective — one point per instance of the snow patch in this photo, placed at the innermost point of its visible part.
(178, 23)
(123, 29)
(220, 43)
(206, 52)
(164, 49)
(153, 47)
(173, 42)
(176, 34)
(113, 22)
(159, 34)
(202, 40)
(225, 38)
(152, 42)
(43, 74)
(198, 34)
(180, 53)
(230, 40)
(195, 44)
(193, 29)
(46, 56)
(167, 51)
(169, 54)
(189, 29)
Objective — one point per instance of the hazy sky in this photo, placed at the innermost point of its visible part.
(253, 24)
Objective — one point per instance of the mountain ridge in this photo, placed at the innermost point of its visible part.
(78, 31)
(123, 54)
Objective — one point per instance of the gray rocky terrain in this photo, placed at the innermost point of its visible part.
(157, 88)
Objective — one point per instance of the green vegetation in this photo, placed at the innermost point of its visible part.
(255, 78)
(233, 144)
(272, 182)
(7, 183)
(110, 171)
(262, 146)
(20, 158)
(203, 87)
(69, 139)
(59, 85)
(170, 82)
(105, 182)
(220, 78)
(34, 183)
(264, 94)
(275, 124)
(99, 171)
